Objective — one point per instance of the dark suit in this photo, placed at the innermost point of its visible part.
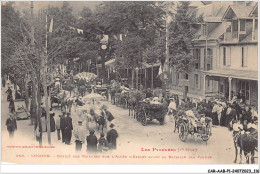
(68, 129)
(111, 138)
(11, 126)
(62, 127)
(92, 143)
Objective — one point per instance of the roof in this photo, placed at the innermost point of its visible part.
(196, 4)
(254, 11)
(248, 38)
(238, 74)
(214, 34)
(239, 11)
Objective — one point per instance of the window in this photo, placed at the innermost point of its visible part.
(224, 56)
(196, 80)
(244, 56)
(196, 54)
(244, 89)
(208, 61)
(242, 25)
(235, 25)
(186, 76)
(221, 88)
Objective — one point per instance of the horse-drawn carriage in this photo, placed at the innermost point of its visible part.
(102, 90)
(202, 129)
(149, 111)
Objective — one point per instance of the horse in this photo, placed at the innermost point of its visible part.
(247, 142)
(131, 106)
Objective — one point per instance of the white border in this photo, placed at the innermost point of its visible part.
(14, 168)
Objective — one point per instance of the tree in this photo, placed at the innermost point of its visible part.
(182, 31)
(11, 33)
(139, 22)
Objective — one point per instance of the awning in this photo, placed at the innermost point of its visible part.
(146, 65)
(110, 62)
(238, 74)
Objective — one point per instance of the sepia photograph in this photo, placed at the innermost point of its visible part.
(129, 82)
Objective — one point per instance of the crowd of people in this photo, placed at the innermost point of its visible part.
(90, 120)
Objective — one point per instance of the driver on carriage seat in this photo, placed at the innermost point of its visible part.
(192, 118)
(172, 106)
(237, 127)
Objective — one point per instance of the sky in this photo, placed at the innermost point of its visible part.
(76, 5)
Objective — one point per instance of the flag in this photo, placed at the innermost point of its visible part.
(72, 28)
(115, 37)
(80, 31)
(160, 71)
(51, 26)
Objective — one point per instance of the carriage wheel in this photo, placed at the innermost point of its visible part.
(138, 115)
(183, 132)
(208, 133)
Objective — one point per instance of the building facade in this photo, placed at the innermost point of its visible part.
(226, 48)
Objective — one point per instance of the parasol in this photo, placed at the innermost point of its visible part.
(92, 96)
(86, 76)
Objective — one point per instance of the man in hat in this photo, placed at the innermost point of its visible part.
(172, 106)
(62, 126)
(11, 125)
(58, 126)
(9, 93)
(112, 135)
(11, 105)
(80, 136)
(108, 114)
(92, 141)
(68, 129)
(102, 143)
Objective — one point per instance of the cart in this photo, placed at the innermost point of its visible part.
(203, 129)
(21, 112)
(148, 111)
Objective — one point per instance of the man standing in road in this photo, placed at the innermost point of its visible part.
(11, 106)
(62, 126)
(92, 142)
(11, 125)
(58, 126)
(68, 129)
(80, 136)
(112, 135)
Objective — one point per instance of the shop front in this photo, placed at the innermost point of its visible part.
(243, 84)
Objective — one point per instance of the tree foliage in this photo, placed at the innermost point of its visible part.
(182, 31)
(139, 22)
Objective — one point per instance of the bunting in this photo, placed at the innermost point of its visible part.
(51, 26)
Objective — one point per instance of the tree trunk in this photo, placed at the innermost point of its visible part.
(103, 65)
(47, 108)
(39, 113)
(133, 76)
(26, 94)
(33, 110)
